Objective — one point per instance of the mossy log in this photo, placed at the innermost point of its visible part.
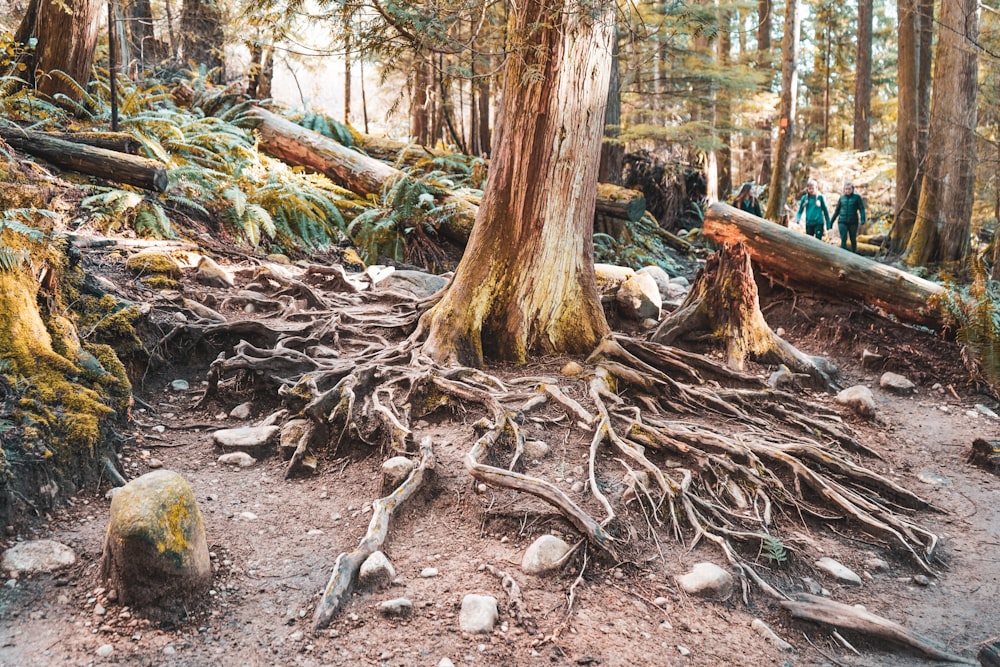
(120, 142)
(111, 165)
(794, 258)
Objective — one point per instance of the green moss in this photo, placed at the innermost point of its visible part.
(160, 281)
(151, 262)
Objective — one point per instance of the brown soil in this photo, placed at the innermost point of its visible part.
(274, 541)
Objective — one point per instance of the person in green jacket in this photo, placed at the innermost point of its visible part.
(816, 213)
(849, 214)
(746, 201)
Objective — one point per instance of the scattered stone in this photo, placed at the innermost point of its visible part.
(838, 571)
(762, 629)
(707, 580)
(99, 610)
(858, 398)
(149, 262)
(921, 580)
(395, 607)
(897, 384)
(610, 277)
(535, 450)
(983, 410)
(934, 479)
(37, 556)
(155, 548)
(180, 385)
(250, 439)
(638, 298)
(395, 471)
(154, 463)
(377, 571)
(104, 650)
(417, 283)
(871, 360)
(683, 650)
(241, 411)
(211, 274)
(662, 602)
(479, 613)
(571, 369)
(445, 662)
(546, 554)
(241, 459)
(876, 565)
(429, 572)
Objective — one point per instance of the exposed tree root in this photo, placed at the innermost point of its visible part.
(347, 565)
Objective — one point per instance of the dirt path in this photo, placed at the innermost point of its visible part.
(274, 542)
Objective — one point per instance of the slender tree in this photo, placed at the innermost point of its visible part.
(941, 231)
(863, 78)
(526, 285)
(764, 21)
(786, 115)
(612, 150)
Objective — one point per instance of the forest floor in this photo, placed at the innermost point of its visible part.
(274, 541)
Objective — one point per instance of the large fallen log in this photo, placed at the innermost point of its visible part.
(111, 165)
(366, 175)
(795, 258)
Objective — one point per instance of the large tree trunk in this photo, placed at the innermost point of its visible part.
(612, 150)
(202, 39)
(944, 214)
(67, 36)
(786, 121)
(526, 285)
(863, 81)
(795, 258)
(121, 167)
(907, 155)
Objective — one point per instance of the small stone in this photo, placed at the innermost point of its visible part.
(858, 398)
(535, 450)
(429, 572)
(707, 580)
(571, 369)
(934, 479)
(921, 580)
(395, 471)
(241, 459)
(155, 463)
(876, 565)
(871, 360)
(395, 607)
(683, 650)
(180, 385)
(445, 662)
(546, 554)
(241, 411)
(104, 650)
(983, 410)
(99, 610)
(662, 602)
(296, 636)
(377, 571)
(838, 571)
(169, 649)
(896, 383)
(479, 613)
(37, 556)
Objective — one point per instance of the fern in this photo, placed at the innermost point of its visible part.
(973, 312)
(10, 258)
(773, 550)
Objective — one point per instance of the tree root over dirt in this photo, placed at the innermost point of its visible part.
(772, 458)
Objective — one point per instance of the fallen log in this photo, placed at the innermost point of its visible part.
(120, 142)
(795, 258)
(111, 165)
(366, 175)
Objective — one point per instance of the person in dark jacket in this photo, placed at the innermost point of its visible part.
(849, 214)
(816, 213)
(746, 201)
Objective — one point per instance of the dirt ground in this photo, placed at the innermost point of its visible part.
(274, 541)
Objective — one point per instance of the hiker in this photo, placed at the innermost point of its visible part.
(746, 201)
(815, 209)
(849, 214)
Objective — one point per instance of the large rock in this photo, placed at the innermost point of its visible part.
(610, 277)
(211, 274)
(155, 551)
(638, 298)
(417, 283)
(249, 439)
(545, 554)
(860, 399)
(707, 580)
(36, 556)
(897, 384)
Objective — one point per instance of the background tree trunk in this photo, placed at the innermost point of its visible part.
(67, 36)
(863, 80)
(612, 151)
(907, 118)
(786, 121)
(526, 285)
(202, 38)
(944, 214)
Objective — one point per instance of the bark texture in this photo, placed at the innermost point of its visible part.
(907, 156)
(786, 120)
(526, 285)
(863, 80)
(67, 36)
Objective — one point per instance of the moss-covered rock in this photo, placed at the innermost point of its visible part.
(153, 261)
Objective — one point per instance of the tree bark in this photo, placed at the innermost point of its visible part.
(941, 231)
(526, 284)
(863, 80)
(118, 142)
(907, 155)
(795, 258)
(202, 39)
(612, 150)
(67, 37)
(122, 167)
(786, 121)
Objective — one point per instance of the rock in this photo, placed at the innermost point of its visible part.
(479, 613)
(638, 298)
(377, 571)
(681, 280)
(149, 262)
(241, 459)
(983, 410)
(204, 312)
(36, 556)
(429, 572)
(707, 580)
(180, 385)
(535, 450)
(395, 471)
(445, 662)
(241, 411)
(610, 277)
(812, 586)
(841, 573)
(921, 580)
(762, 629)
(104, 650)
(417, 283)
(155, 551)
(544, 555)
(211, 274)
(897, 384)
(876, 565)
(660, 277)
(871, 360)
(250, 439)
(934, 479)
(571, 370)
(858, 398)
(395, 607)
